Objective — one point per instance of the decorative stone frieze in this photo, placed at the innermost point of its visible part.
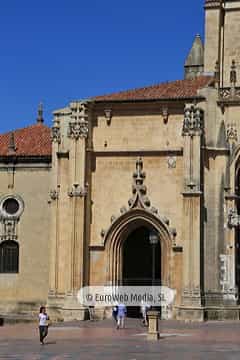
(56, 134)
(78, 191)
(193, 120)
(230, 95)
(78, 126)
(226, 94)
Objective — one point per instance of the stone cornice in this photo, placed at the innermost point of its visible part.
(212, 4)
(13, 159)
(175, 151)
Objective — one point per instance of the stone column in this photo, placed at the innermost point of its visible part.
(78, 133)
(228, 260)
(54, 203)
(191, 296)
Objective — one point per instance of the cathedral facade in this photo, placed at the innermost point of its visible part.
(80, 201)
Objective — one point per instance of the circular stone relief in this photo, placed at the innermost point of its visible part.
(11, 206)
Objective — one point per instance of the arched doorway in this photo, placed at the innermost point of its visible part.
(141, 262)
(123, 234)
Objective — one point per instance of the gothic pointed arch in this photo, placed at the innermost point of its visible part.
(139, 213)
(139, 203)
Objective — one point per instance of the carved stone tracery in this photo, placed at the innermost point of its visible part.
(193, 120)
(56, 134)
(78, 126)
(9, 229)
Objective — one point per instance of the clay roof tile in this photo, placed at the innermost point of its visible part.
(33, 140)
(180, 89)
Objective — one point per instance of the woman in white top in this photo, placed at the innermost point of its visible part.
(43, 323)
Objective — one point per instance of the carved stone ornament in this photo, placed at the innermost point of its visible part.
(78, 191)
(165, 114)
(229, 95)
(56, 134)
(9, 229)
(78, 126)
(231, 132)
(172, 161)
(140, 200)
(108, 116)
(10, 219)
(54, 194)
(233, 218)
(139, 190)
(193, 120)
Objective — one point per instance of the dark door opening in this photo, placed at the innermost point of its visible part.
(138, 261)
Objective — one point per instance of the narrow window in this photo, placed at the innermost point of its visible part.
(9, 254)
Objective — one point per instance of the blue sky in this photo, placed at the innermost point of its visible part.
(56, 51)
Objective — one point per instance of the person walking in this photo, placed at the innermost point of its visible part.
(43, 319)
(115, 312)
(122, 311)
(144, 310)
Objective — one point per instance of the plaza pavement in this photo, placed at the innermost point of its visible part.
(100, 340)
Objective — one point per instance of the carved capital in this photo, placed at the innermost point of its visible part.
(78, 191)
(56, 134)
(78, 126)
(193, 120)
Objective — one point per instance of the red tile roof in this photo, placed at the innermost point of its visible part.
(180, 89)
(33, 140)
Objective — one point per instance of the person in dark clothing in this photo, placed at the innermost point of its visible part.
(115, 312)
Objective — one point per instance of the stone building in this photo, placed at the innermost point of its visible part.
(78, 203)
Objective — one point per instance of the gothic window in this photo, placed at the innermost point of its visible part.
(9, 257)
